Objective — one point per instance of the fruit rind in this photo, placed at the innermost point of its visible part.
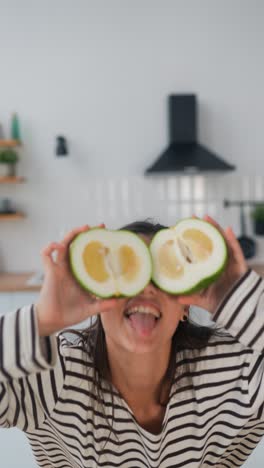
(136, 242)
(200, 283)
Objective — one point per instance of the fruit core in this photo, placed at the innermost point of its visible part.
(199, 243)
(96, 256)
(169, 264)
(195, 246)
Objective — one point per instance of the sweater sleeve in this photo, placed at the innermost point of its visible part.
(241, 313)
(32, 371)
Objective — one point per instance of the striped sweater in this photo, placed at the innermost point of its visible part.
(214, 416)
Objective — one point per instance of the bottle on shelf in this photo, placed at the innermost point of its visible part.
(15, 128)
(1, 132)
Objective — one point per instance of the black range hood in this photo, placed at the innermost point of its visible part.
(184, 153)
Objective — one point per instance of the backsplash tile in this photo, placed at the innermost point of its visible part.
(117, 201)
(170, 198)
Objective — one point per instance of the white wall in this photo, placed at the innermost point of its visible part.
(99, 72)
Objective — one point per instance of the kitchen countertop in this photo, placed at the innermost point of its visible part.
(29, 282)
(17, 282)
(258, 267)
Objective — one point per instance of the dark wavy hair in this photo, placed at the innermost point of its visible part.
(92, 339)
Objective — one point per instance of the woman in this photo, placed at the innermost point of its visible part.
(178, 395)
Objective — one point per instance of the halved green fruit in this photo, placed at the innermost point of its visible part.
(187, 257)
(110, 263)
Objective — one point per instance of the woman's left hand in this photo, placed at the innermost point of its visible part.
(211, 297)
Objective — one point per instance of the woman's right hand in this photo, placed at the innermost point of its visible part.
(62, 302)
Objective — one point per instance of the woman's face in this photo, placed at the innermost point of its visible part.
(130, 329)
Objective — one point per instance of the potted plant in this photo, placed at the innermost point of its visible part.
(258, 219)
(8, 160)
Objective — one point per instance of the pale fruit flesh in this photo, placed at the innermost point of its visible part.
(188, 256)
(110, 263)
(169, 264)
(129, 262)
(200, 245)
(94, 261)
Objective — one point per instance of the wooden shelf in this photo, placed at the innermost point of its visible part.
(11, 216)
(14, 282)
(9, 143)
(11, 180)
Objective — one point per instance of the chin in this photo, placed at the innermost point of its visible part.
(141, 346)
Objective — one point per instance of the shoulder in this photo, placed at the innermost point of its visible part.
(219, 342)
(220, 351)
(219, 363)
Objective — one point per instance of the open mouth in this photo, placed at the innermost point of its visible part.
(143, 309)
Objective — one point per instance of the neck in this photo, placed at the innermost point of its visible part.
(138, 377)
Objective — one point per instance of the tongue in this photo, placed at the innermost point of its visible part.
(143, 323)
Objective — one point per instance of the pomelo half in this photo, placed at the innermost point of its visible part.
(187, 257)
(110, 263)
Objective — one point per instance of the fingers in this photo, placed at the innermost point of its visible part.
(73, 233)
(47, 254)
(63, 251)
(222, 232)
(191, 299)
(235, 246)
(65, 243)
(215, 224)
(56, 252)
(102, 305)
(230, 238)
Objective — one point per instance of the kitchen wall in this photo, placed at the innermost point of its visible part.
(53, 209)
(99, 73)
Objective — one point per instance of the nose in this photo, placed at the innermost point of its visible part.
(150, 288)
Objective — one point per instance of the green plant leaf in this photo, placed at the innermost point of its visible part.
(258, 212)
(9, 156)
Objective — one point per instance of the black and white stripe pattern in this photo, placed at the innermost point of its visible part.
(214, 416)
